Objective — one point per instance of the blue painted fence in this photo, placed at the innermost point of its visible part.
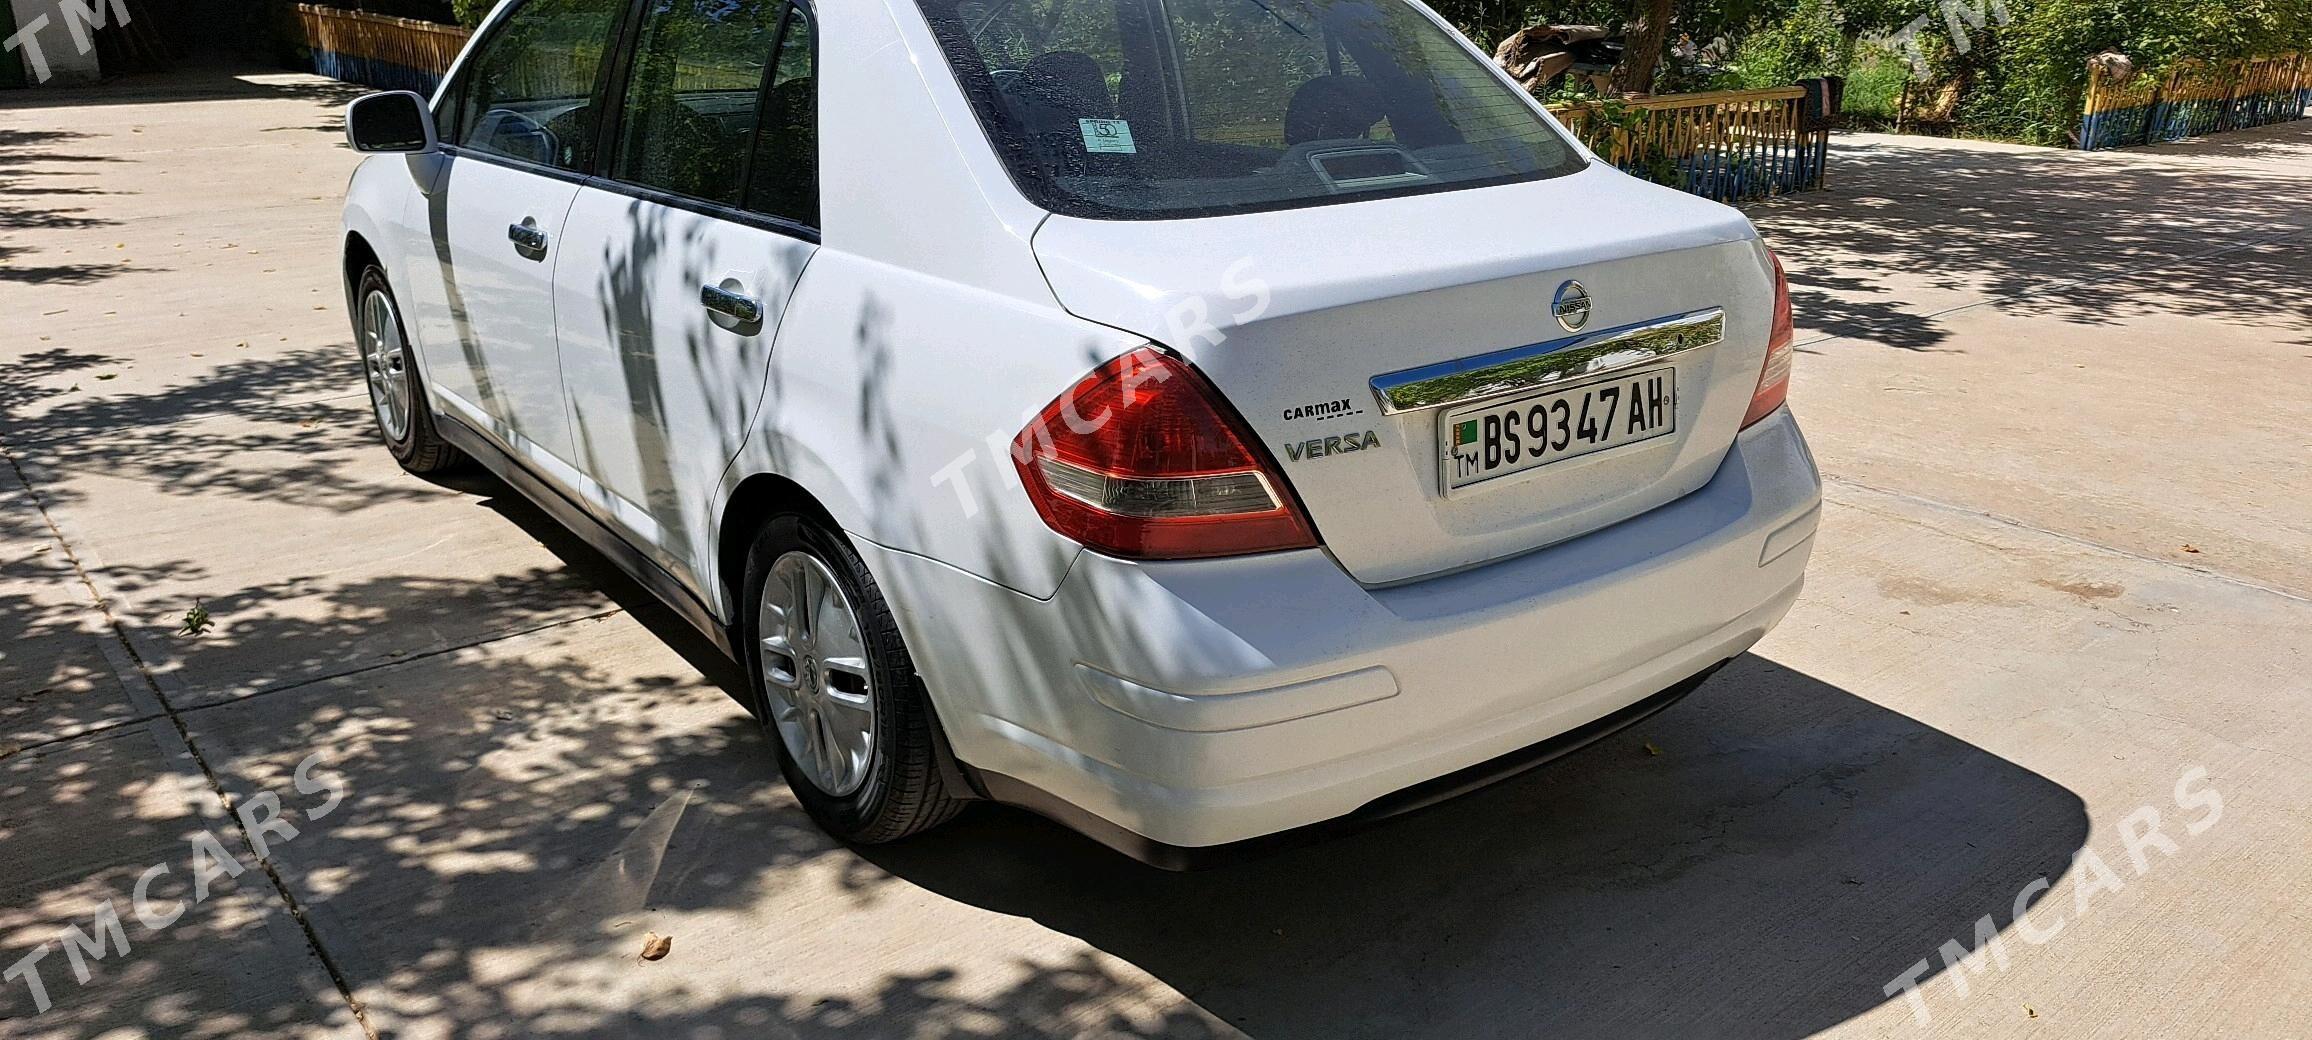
(2196, 99)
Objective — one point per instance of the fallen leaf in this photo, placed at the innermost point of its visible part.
(2028, 1013)
(1651, 749)
(109, 375)
(2193, 549)
(656, 946)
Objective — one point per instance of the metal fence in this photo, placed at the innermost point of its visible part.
(380, 51)
(2196, 98)
(1728, 145)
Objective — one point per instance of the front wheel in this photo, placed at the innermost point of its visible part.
(837, 690)
(397, 397)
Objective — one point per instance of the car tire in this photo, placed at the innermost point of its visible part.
(397, 397)
(824, 659)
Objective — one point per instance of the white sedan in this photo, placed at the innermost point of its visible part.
(1197, 422)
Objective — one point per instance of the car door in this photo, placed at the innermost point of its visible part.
(677, 262)
(521, 137)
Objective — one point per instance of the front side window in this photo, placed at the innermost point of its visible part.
(1172, 108)
(528, 94)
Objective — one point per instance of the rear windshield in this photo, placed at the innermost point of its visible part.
(1139, 109)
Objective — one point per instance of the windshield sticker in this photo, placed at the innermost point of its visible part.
(1108, 135)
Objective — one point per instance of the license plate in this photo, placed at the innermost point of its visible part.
(1488, 441)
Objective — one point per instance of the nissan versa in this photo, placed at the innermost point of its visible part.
(1194, 420)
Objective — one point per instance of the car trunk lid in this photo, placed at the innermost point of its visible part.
(1295, 314)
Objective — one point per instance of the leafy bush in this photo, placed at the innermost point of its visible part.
(2025, 80)
(1874, 88)
(1809, 40)
(2041, 82)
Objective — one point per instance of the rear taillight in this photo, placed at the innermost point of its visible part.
(1143, 460)
(1774, 379)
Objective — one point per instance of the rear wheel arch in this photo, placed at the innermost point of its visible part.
(937, 783)
(751, 505)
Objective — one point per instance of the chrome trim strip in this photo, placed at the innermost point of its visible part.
(1519, 369)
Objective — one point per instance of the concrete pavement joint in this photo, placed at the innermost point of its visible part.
(103, 730)
(185, 737)
(154, 661)
(2074, 539)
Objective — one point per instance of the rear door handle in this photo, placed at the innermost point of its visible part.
(528, 240)
(745, 309)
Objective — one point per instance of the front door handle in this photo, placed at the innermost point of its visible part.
(746, 310)
(527, 239)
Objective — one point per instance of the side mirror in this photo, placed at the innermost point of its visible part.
(394, 121)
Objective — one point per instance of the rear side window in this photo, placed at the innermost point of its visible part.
(528, 93)
(690, 105)
(1174, 108)
(783, 179)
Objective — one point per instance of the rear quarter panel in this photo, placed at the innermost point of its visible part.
(893, 399)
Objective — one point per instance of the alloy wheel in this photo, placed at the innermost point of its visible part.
(384, 357)
(814, 665)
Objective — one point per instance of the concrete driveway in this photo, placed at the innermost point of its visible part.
(2056, 657)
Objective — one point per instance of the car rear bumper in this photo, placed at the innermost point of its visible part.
(1201, 703)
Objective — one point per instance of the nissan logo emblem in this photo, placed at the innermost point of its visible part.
(1572, 306)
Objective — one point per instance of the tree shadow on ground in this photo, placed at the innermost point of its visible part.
(26, 204)
(1791, 849)
(203, 80)
(54, 412)
(514, 821)
(2089, 237)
